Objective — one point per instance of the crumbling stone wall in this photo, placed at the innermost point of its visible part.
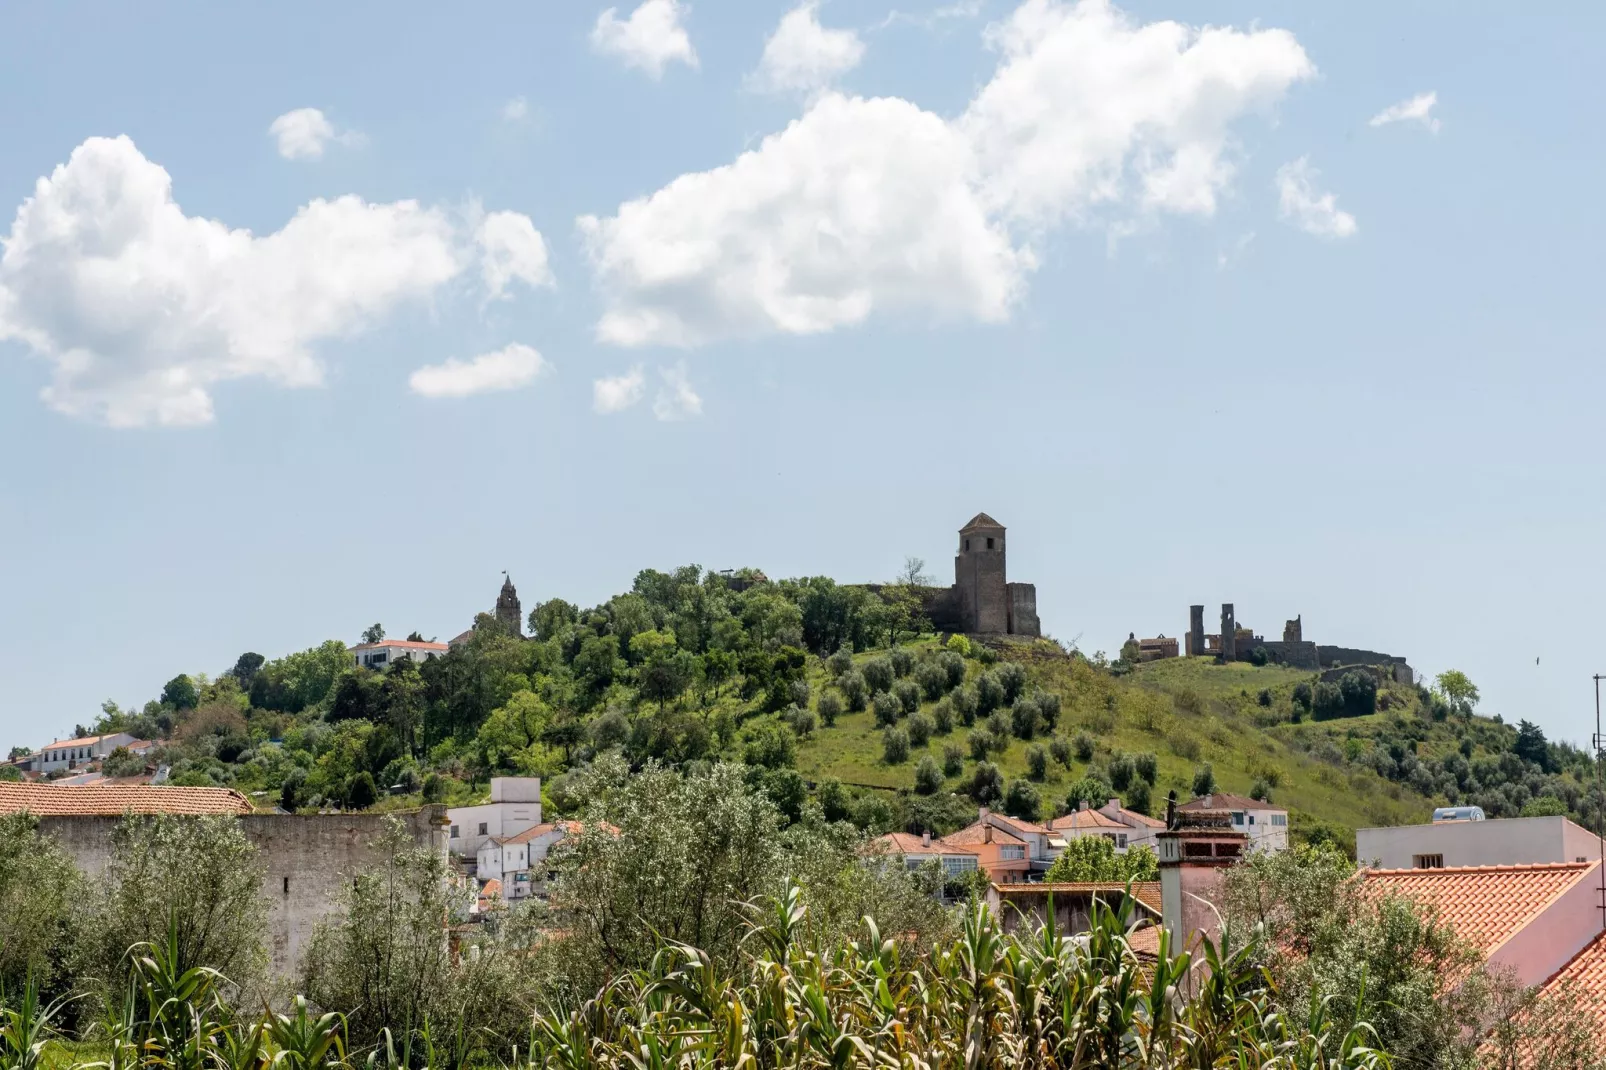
(307, 859)
(1023, 610)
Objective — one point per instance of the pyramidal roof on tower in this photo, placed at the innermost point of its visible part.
(982, 520)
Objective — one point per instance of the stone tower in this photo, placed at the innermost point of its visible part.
(979, 576)
(508, 612)
(1196, 632)
(1229, 633)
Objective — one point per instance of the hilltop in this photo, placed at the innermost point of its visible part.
(805, 680)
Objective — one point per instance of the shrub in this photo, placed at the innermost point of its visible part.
(887, 709)
(981, 744)
(1261, 790)
(770, 745)
(1204, 781)
(932, 680)
(1147, 766)
(878, 674)
(434, 789)
(1024, 718)
(1022, 800)
(920, 729)
(958, 644)
(895, 746)
(1185, 746)
(928, 778)
(834, 800)
(855, 690)
(1013, 680)
(1060, 748)
(1122, 771)
(1083, 745)
(953, 667)
(800, 693)
(801, 720)
(830, 708)
(1036, 762)
(953, 759)
(942, 716)
(1359, 693)
(1264, 698)
(989, 694)
(999, 727)
(361, 793)
(902, 662)
(1136, 797)
(908, 694)
(1091, 789)
(1327, 701)
(964, 700)
(1302, 696)
(1259, 656)
(1188, 701)
(986, 783)
(841, 660)
(1048, 704)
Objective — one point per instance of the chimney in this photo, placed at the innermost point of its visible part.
(1081, 804)
(1112, 807)
(925, 838)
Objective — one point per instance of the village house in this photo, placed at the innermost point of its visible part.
(388, 651)
(916, 851)
(517, 863)
(1265, 825)
(65, 754)
(515, 807)
(1007, 848)
(1122, 827)
(1501, 841)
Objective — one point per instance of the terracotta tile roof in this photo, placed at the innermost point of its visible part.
(1226, 801)
(1145, 942)
(982, 520)
(977, 833)
(1085, 819)
(1586, 976)
(537, 831)
(401, 644)
(81, 741)
(54, 800)
(905, 844)
(1020, 826)
(1136, 820)
(1145, 892)
(1485, 905)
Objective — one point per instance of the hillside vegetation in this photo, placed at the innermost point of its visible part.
(842, 697)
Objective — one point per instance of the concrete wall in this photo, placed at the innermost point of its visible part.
(1548, 942)
(1023, 610)
(1498, 842)
(307, 859)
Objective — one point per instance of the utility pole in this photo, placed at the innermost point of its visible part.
(1598, 742)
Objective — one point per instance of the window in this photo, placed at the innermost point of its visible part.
(954, 865)
(967, 544)
(1251, 819)
(1427, 861)
(1120, 841)
(483, 827)
(1008, 852)
(989, 542)
(1237, 817)
(287, 886)
(454, 832)
(1279, 820)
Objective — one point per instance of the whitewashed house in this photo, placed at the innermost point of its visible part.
(515, 807)
(388, 651)
(1265, 825)
(519, 861)
(73, 753)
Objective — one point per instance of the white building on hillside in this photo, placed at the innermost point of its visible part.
(1508, 841)
(1122, 827)
(1265, 825)
(519, 861)
(73, 753)
(515, 806)
(386, 651)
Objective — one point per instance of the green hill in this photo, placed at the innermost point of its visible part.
(695, 666)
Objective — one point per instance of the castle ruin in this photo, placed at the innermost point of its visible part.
(982, 600)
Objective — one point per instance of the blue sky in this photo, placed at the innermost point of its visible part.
(1163, 300)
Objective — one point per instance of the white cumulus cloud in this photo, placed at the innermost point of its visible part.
(303, 134)
(511, 248)
(617, 393)
(864, 205)
(650, 39)
(1300, 203)
(1419, 109)
(515, 109)
(801, 55)
(141, 309)
(506, 369)
(676, 399)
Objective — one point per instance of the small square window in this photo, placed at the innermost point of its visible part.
(455, 833)
(989, 542)
(1427, 861)
(483, 827)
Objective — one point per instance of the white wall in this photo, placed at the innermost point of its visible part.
(501, 820)
(1497, 842)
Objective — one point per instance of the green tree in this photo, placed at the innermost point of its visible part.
(549, 619)
(1459, 691)
(1095, 858)
(1036, 762)
(361, 792)
(40, 891)
(373, 633)
(928, 777)
(246, 667)
(180, 693)
(895, 746)
(829, 706)
(1022, 800)
(986, 784)
(1204, 781)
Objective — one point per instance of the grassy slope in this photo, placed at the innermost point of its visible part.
(1186, 711)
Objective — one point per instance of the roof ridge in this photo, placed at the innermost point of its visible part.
(1508, 867)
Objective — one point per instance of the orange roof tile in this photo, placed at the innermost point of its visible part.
(1018, 825)
(1485, 905)
(55, 800)
(81, 741)
(905, 844)
(1586, 976)
(1225, 801)
(404, 644)
(977, 833)
(1145, 942)
(1085, 819)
